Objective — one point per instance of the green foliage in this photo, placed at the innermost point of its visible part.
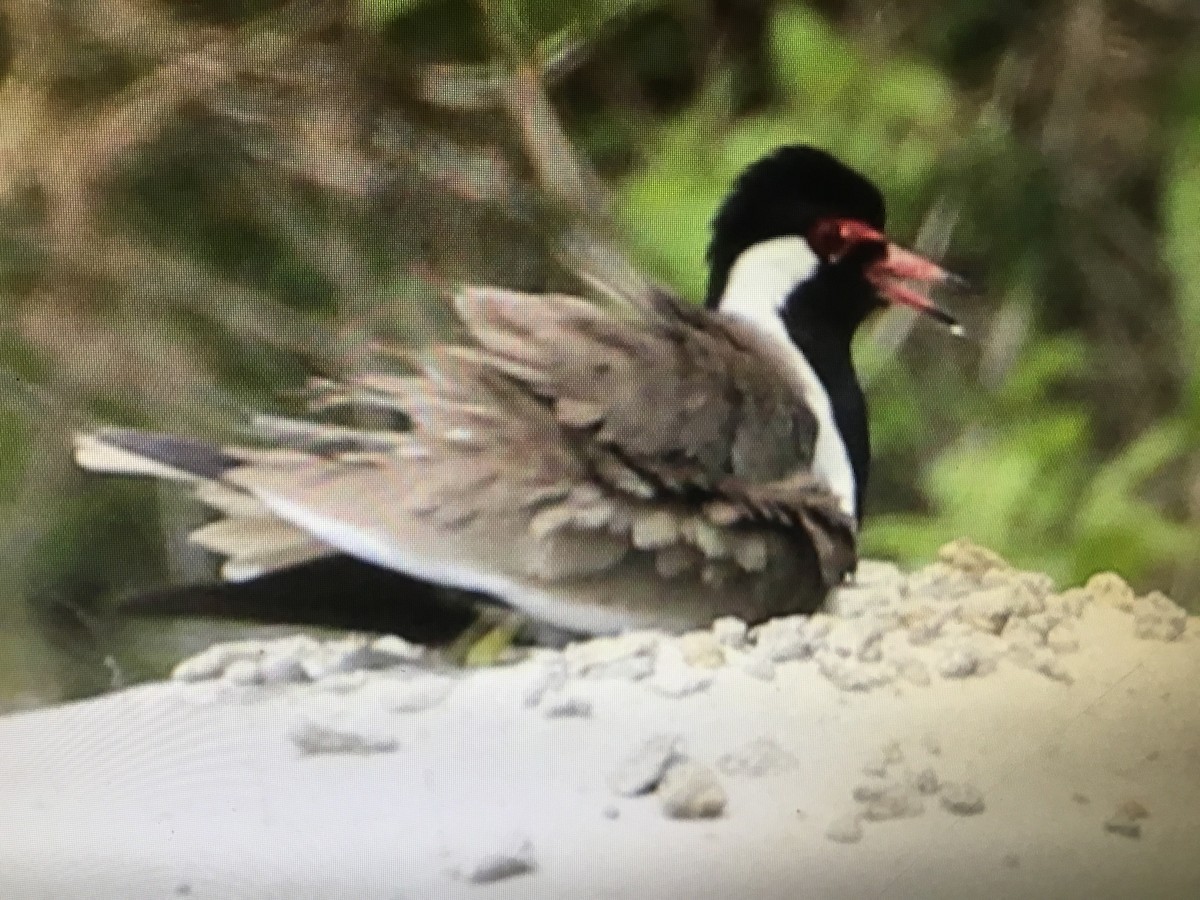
(538, 30)
(376, 13)
(14, 452)
(889, 118)
(1115, 526)
(524, 30)
(1028, 484)
(1009, 460)
(1182, 247)
(1009, 478)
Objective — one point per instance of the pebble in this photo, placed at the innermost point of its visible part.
(630, 657)
(1133, 809)
(567, 707)
(1156, 617)
(1039, 584)
(845, 829)
(674, 678)
(690, 790)
(243, 672)
(961, 798)
(940, 583)
(1041, 660)
(338, 657)
(757, 759)
(730, 631)
(877, 767)
(874, 790)
(1055, 670)
(1019, 631)
(313, 738)
(914, 672)
(213, 662)
(790, 638)
(702, 649)
(392, 650)
(548, 675)
(1109, 587)
(958, 662)
(283, 662)
(342, 682)
(500, 865)
(852, 675)
(1070, 604)
(879, 573)
(926, 782)
(926, 629)
(757, 665)
(856, 639)
(967, 556)
(858, 599)
(641, 772)
(416, 694)
(1043, 623)
(1124, 825)
(895, 802)
(1062, 639)
(990, 609)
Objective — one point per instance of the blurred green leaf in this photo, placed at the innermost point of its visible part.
(376, 13)
(529, 28)
(886, 117)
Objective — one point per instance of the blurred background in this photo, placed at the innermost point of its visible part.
(204, 202)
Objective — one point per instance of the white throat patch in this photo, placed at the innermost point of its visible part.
(759, 283)
(762, 277)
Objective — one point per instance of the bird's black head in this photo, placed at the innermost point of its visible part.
(800, 236)
(798, 249)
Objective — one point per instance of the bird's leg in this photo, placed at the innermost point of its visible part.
(488, 641)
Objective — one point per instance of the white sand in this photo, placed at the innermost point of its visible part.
(962, 732)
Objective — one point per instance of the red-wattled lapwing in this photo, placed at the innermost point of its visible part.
(596, 469)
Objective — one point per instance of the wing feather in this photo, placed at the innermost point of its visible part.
(598, 468)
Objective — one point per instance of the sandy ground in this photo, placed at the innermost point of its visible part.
(963, 731)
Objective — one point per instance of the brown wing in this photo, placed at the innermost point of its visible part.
(676, 390)
(597, 472)
(666, 424)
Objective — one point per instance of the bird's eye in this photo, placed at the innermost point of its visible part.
(827, 239)
(833, 238)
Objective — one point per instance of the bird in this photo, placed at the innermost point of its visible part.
(597, 468)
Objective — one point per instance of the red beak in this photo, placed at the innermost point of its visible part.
(895, 275)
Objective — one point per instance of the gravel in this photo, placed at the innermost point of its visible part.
(845, 829)
(644, 768)
(314, 738)
(964, 616)
(961, 798)
(500, 865)
(843, 712)
(690, 790)
(758, 759)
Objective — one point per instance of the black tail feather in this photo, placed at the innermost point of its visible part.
(191, 455)
(331, 592)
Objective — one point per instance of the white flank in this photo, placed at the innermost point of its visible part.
(380, 548)
(759, 283)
